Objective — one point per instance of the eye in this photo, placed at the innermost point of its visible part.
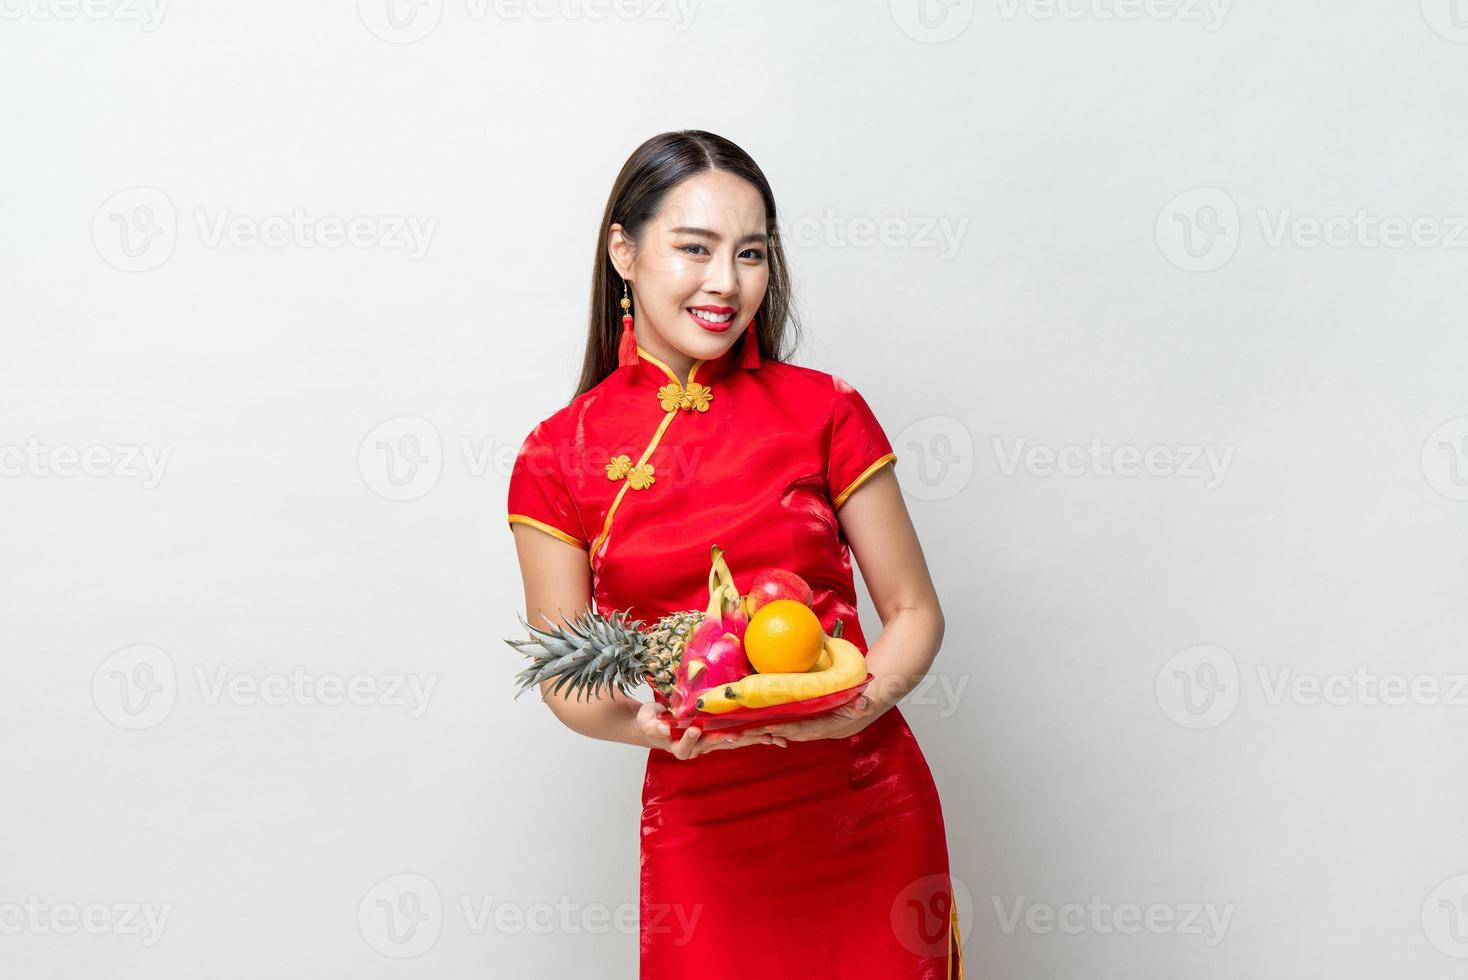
(685, 248)
(753, 253)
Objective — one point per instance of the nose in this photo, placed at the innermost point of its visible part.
(723, 277)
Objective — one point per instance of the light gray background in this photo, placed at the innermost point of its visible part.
(1104, 722)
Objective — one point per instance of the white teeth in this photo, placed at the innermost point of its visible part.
(713, 317)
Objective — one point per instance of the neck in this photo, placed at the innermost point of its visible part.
(680, 362)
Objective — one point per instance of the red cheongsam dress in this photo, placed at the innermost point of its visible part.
(824, 860)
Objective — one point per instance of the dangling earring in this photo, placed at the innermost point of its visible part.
(749, 356)
(627, 349)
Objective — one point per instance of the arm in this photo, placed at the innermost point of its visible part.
(558, 585)
(885, 545)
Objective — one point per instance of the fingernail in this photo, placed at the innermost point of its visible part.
(664, 729)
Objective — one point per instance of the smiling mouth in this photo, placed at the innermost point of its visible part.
(715, 320)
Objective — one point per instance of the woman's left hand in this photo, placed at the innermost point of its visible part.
(842, 722)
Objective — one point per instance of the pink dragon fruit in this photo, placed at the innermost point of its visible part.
(714, 653)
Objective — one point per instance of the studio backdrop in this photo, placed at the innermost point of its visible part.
(1159, 302)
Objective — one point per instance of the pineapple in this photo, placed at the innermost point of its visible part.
(595, 653)
(598, 653)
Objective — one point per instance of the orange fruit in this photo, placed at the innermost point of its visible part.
(783, 637)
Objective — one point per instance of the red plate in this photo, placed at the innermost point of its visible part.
(742, 719)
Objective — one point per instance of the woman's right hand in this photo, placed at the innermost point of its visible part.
(655, 729)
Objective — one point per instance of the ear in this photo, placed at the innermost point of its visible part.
(620, 250)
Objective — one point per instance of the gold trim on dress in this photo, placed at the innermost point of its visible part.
(673, 398)
(866, 474)
(666, 370)
(955, 940)
(548, 529)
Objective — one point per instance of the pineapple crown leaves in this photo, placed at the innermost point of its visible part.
(589, 655)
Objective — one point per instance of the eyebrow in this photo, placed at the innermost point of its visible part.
(752, 237)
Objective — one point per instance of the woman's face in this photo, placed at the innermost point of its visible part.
(699, 273)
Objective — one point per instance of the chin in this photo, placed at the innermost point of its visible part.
(704, 346)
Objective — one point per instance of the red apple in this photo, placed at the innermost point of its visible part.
(776, 583)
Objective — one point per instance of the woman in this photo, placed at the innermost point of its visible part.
(805, 849)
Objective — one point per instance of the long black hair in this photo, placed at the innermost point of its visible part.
(650, 172)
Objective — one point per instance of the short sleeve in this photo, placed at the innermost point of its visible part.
(538, 494)
(858, 446)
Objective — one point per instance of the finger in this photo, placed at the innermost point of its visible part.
(714, 741)
(652, 727)
(691, 742)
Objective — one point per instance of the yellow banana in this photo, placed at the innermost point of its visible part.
(714, 701)
(823, 662)
(820, 679)
(848, 668)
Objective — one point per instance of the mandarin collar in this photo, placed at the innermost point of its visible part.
(653, 372)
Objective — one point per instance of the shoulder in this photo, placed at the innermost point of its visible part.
(817, 388)
(797, 374)
(554, 427)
